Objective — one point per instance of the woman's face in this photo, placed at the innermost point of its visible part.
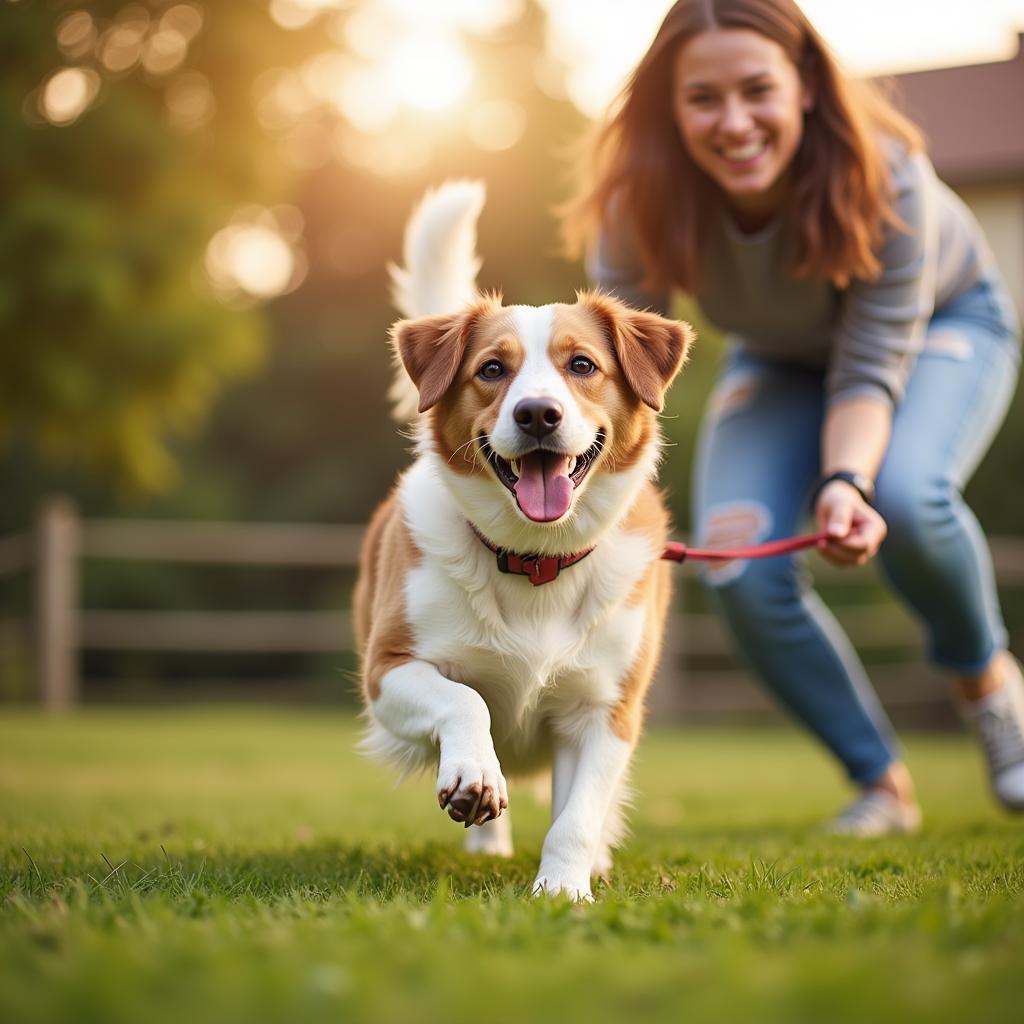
(739, 104)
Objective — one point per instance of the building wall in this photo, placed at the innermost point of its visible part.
(1000, 209)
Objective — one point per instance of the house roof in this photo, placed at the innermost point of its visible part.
(973, 118)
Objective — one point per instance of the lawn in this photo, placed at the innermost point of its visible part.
(245, 865)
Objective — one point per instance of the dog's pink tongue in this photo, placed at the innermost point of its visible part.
(544, 489)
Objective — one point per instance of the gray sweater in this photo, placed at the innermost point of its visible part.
(865, 336)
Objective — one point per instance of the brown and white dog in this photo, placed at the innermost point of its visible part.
(511, 599)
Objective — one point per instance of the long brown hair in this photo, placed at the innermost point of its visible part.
(636, 164)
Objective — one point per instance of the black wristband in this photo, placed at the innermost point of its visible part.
(860, 483)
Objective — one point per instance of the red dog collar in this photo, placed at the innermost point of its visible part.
(545, 568)
(539, 569)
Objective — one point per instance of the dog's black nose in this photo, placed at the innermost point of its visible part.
(538, 417)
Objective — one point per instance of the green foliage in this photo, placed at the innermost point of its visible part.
(110, 340)
(241, 865)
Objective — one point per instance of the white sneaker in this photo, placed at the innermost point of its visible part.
(875, 812)
(997, 720)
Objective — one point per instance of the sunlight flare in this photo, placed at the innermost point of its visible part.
(67, 94)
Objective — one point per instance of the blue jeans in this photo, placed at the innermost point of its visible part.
(758, 459)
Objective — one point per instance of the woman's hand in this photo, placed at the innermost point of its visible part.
(855, 530)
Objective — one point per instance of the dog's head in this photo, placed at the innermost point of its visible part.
(541, 402)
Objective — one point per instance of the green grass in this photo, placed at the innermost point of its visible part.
(240, 865)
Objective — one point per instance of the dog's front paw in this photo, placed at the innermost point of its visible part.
(551, 883)
(472, 789)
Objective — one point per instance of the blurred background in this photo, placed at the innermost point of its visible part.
(197, 206)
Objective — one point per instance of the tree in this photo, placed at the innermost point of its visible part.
(116, 173)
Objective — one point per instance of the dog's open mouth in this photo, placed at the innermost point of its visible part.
(543, 481)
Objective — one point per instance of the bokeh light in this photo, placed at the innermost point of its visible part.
(120, 46)
(185, 19)
(281, 98)
(388, 155)
(495, 125)
(296, 14)
(76, 34)
(165, 51)
(258, 255)
(67, 94)
(190, 101)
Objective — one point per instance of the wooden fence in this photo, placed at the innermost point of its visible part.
(698, 677)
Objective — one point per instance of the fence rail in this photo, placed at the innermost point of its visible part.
(58, 629)
(256, 632)
(313, 545)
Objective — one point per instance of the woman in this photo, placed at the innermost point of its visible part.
(873, 354)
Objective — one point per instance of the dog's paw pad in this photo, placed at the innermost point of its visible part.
(472, 793)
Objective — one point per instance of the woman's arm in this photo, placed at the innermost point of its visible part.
(881, 329)
(854, 438)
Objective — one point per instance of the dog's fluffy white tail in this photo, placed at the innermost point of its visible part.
(440, 269)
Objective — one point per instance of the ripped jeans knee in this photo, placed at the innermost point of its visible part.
(732, 524)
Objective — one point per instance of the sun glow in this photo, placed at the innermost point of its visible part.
(595, 62)
(394, 56)
(429, 74)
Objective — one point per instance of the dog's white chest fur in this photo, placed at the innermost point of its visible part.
(535, 654)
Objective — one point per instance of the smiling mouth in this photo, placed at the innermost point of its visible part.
(744, 154)
(543, 481)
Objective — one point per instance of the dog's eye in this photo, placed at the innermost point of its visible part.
(582, 366)
(491, 370)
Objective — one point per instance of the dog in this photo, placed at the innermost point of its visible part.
(511, 598)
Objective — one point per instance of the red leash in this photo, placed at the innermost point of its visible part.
(541, 569)
(676, 551)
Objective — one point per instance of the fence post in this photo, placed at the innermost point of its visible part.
(56, 604)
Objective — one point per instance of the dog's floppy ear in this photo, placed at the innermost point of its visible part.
(651, 349)
(431, 348)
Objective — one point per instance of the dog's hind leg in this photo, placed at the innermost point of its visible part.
(574, 840)
(563, 772)
(493, 837)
